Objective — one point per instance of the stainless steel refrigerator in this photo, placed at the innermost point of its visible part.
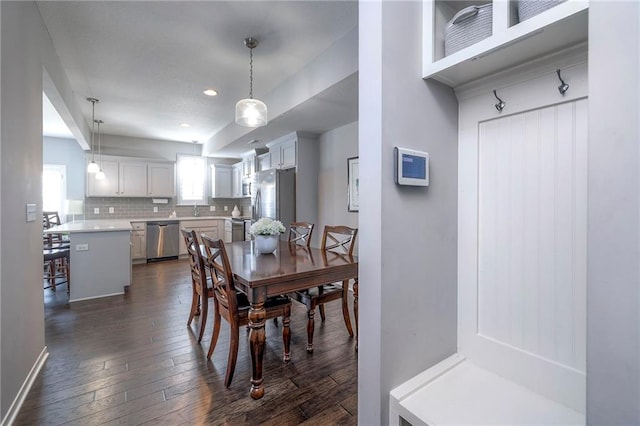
(273, 195)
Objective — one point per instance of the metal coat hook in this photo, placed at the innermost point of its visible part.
(500, 105)
(563, 86)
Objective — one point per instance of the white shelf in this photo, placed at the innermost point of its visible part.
(562, 26)
(457, 392)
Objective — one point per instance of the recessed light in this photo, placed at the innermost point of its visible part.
(185, 125)
(210, 92)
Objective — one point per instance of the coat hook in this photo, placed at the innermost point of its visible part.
(564, 86)
(500, 105)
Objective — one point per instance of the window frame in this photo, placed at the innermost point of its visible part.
(180, 200)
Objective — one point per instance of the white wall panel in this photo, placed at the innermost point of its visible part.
(532, 230)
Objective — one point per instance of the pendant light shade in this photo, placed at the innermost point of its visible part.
(93, 166)
(251, 112)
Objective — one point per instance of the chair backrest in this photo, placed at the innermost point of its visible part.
(50, 219)
(300, 232)
(196, 262)
(339, 239)
(221, 274)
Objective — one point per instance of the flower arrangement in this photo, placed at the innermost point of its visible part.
(266, 226)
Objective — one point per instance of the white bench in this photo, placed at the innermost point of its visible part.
(458, 392)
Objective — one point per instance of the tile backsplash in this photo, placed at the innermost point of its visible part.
(131, 208)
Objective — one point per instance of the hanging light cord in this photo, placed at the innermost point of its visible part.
(93, 127)
(251, 73)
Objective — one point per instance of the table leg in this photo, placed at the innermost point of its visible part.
(257, 315)
(355, 306)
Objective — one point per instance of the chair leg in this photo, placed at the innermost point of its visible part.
(194, 308)
(345, 307)
(203, 316)
(216, 330)
(233, 355)
(321, 307)
(310, 326)
(52, 275)
(286, 333)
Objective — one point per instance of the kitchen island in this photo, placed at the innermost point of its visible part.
(100, 258)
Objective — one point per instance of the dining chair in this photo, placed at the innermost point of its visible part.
(339, 240)
(300, 232)
(233, 305)
(201, 290)
(56, 252)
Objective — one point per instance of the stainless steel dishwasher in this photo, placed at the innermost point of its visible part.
(162, 240)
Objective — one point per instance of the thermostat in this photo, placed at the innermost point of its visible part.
(411, 167)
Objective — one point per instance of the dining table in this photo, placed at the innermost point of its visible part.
(289, 268)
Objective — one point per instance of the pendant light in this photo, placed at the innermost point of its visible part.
(100, 175)
(251, 112)
(93, 166)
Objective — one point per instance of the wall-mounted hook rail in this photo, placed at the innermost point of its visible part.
(563, 86)
(500, 105)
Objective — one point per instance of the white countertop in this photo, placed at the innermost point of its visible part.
(91, 226)
(185, 218)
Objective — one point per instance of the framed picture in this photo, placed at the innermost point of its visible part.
(353, 184)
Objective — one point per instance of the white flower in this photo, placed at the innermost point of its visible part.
(266, 226)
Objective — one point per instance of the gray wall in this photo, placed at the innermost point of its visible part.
(22, 314)
(335, 147)
(69, 153)
(408, 238)
(613, 307)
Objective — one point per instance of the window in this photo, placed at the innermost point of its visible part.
(192, 179)
(54, 188)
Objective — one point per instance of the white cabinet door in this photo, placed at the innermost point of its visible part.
(107, 187)
(264, 161)
(133, 179)
(160, 180)
(288, 154)
(221, 181)
(138, 245)
(236, 185)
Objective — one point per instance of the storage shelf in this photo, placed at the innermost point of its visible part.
(562, 26)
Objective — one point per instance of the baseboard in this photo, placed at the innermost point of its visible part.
(10, 417)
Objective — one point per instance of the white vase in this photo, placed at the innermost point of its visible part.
(266, 244)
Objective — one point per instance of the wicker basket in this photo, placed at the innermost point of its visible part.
(467, 27)
(529, 8)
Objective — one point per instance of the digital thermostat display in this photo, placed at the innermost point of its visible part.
(411, 167)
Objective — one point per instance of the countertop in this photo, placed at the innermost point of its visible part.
(91, 226)
(185, 218)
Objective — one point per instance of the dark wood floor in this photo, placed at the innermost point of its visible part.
(131, 360)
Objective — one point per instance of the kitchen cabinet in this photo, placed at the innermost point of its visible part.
(248, 165)
(131, 177)
(213, 228)
(161, 180)
(221, 180)
(511, 42)
(236, 180)
(283, 153)
(138, 241)
(264, 161)
(107, 187)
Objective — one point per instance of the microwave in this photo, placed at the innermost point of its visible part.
(246, 188)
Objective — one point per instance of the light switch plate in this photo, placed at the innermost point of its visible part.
(155, 209)
(226, 208)
(111, 210)
(212, 208)
(96, 210)
(31, 212)
(82, 247)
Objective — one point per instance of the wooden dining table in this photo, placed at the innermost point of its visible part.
(291, 267)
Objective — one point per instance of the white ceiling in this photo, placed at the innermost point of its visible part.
(148, 63)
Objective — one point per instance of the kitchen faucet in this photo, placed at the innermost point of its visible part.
(196, 213)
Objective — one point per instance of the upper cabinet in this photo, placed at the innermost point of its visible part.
(283, 152)
(161, 179)
(221, 180)
(236, 180)
(248, 165)
(131, 177)
(507, 33)
(264, 161)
